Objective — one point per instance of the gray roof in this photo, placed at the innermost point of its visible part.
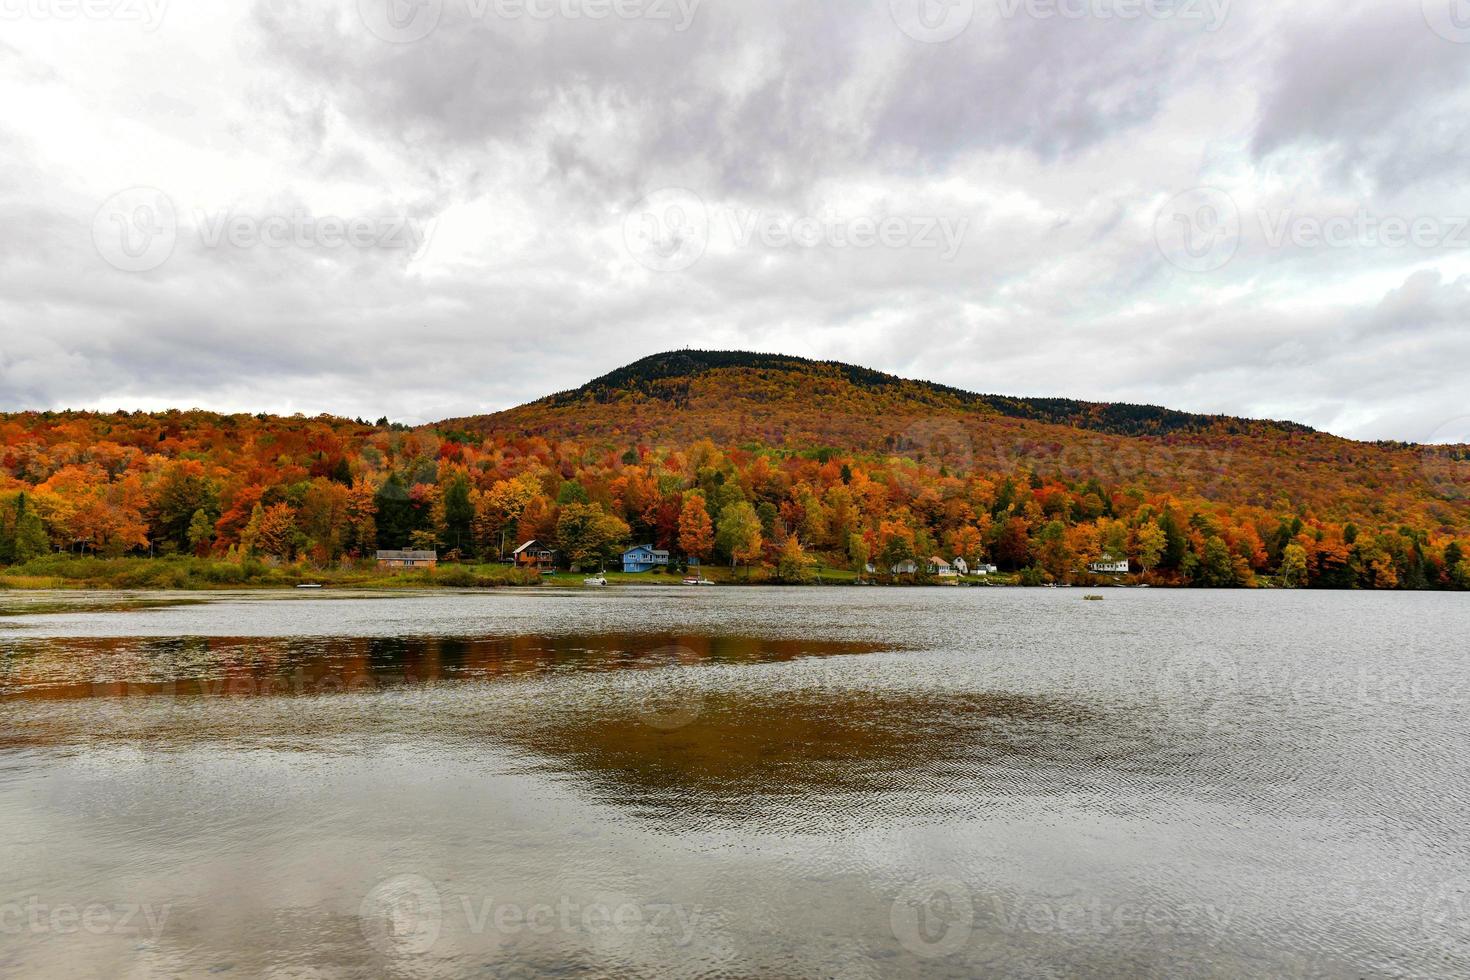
(645, 547)
(408, 556)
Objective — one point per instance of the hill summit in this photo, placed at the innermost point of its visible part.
(794, 402)
(668, 376)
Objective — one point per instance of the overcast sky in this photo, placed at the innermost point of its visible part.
(426, 208)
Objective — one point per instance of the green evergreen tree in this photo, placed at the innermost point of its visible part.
(459, 515)
(396, 522)
(201, 532)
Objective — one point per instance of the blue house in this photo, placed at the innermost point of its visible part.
(644, 558)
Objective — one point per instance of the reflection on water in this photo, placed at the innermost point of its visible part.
(306, 667)
(833, 783)
(809, 759)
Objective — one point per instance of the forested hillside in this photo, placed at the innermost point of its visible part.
(758, 460)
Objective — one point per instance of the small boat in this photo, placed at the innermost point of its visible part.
(697, 581)
(598, 580)
(309, 585)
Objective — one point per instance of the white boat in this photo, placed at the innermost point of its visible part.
(309, 585)
(697, 581)
(597, 580)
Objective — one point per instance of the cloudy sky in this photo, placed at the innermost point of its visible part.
(425, 208)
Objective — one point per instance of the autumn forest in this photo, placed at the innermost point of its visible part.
(772, 466)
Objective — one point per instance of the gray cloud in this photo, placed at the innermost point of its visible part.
(1367, 82)
(522, 145)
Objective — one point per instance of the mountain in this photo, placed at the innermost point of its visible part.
(738, 398)
(711, 382)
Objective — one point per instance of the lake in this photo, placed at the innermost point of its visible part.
(650, 782)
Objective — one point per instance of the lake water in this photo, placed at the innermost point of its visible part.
(737, 783)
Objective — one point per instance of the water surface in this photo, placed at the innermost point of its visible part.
(730, 782)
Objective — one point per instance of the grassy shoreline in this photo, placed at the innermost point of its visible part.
(56, 572)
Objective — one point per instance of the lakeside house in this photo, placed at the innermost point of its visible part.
(938, 566)
(1108, 565)
(961, 566)
(408, 559)
(906, 567)
(534, 555)
(644, 558)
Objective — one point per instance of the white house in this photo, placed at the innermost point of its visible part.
(938, 566)
(1108, 565)
(961, 566)
(906, 567)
